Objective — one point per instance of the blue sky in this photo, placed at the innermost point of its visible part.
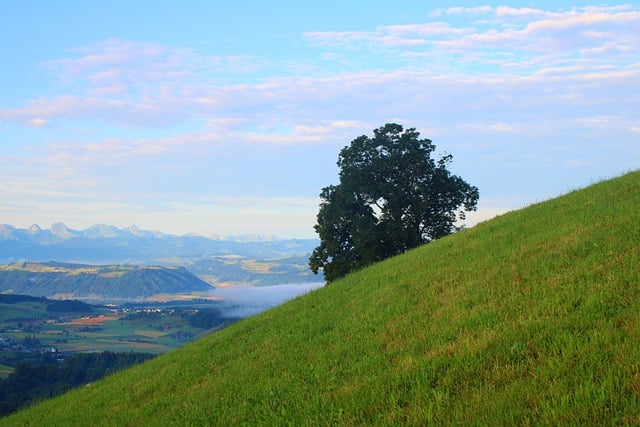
(227, 118)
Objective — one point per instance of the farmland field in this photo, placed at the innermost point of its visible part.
(28, 329)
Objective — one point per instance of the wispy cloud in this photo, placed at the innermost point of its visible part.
(387, 36)
(458, 10)
(145, 84)
(127, 125)
(328, 111)
(588, 35)
(511, 12)
(133, 84)
(37, 122)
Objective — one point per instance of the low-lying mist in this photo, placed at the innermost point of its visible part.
(243, 301)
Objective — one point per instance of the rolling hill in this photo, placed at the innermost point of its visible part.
(528, 319)
(107, 283)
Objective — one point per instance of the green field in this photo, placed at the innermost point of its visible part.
(28, 310)
(531, 318)
(117, 334)
(138, 330)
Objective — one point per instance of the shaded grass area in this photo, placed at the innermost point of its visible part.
(528, 319)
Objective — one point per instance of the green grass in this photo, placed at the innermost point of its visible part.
(532, 318)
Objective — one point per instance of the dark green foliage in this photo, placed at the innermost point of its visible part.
(148, 315)
(33, 382)
(16, 298)
(206, 318)
(69, 306)
(392, 197)
(30, 341)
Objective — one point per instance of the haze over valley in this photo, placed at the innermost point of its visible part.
(211, 262)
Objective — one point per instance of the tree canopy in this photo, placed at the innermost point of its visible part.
(392, 196)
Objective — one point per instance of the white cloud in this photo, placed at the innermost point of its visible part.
(601, 121)
(515, 39)
(523, 11)
(428, 29)
(37, 122)
(459, 10)
(590, 19)
(551, 32)
(149, 85)
(501, 127)
(306, 107)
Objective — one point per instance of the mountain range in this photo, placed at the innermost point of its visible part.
(102, 243)
(59, 231)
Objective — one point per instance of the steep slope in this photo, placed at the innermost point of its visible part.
(530, 318)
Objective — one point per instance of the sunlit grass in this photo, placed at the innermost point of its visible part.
(256, 266)
(528, 319)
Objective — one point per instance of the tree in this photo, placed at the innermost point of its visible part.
(392, 196)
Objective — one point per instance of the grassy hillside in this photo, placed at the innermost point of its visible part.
(531, 318)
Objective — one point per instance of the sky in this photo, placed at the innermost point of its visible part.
(204, 117)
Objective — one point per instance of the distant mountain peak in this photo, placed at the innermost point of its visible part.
(102, 230)
(133, 229)
(247, 238)
(61, 230)
(106, 244)
(6, 229)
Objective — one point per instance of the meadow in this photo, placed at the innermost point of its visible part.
(527, 319)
